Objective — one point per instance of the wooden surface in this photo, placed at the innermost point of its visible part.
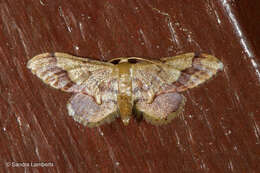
(219, 129)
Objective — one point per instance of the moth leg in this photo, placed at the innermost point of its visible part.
(85, 110)
(163, 109)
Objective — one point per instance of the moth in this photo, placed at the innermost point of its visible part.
(125, 85)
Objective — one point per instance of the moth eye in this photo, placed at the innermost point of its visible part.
(132, 61)
(116, 61)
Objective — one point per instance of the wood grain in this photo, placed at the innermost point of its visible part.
(219, 129)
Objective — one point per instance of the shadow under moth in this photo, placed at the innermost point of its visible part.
(123, 86)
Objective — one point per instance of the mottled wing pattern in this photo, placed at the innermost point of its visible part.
(155, 81)
(86, 111)
(163, 108)
(90, 78)
(195, 69)
(149, 79)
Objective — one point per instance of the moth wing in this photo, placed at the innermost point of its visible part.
(195, 69)
(74, 74)
(86, 111)
(163, 108)
(151, 78)
(172, 74)
(153, 82)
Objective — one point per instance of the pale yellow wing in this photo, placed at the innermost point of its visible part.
(150, 79)
(172, 74)
(74, 74)
(157, 85)
(195, 69)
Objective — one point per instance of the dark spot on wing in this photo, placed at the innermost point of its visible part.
(116, 61)
(132, 61)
